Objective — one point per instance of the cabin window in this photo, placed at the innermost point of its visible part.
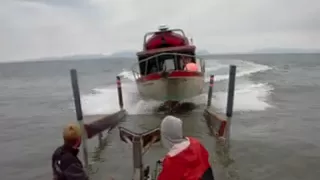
(168, 65)
(163, 62)
(152, 66)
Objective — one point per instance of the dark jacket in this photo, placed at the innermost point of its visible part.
(66, 165)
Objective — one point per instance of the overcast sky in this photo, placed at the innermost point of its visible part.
(43, 28)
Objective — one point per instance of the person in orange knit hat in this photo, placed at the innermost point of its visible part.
(65, 163)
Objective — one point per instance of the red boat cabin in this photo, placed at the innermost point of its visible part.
(158, 51)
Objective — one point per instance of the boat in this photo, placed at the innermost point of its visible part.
(160, 73)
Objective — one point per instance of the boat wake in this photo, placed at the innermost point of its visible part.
(249, 95)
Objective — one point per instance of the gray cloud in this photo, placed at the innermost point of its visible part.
(74, 3)
(41, 28)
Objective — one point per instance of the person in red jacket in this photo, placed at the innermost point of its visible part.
(187, 159)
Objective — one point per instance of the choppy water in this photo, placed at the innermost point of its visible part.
(275, 129)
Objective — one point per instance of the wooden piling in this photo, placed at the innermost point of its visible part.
(137, 158)
(100, 139)
(231, 86)
(77, 103)
(210, 90)
(120, 98)
(219, 125)
(230, 103)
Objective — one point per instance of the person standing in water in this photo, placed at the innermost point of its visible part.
(65, 163)
(187, 159)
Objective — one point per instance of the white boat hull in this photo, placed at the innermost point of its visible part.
(171, 88)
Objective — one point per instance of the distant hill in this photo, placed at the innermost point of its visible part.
(67, 58)
(285, 50)
(203, 52)
(126, 54)
(119, 54)
(84, 57)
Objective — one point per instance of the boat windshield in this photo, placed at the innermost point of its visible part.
(165, 62)
(169, 65)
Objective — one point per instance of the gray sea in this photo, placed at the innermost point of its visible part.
(275, 128)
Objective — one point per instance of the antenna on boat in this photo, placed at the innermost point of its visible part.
(163, 28)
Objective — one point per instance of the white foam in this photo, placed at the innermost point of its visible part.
(249, 96)
(216, 67)
(105, 100)
(144, 107)
(127, 74)
(244, 68)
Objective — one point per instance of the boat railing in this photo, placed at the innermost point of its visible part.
(176, 57)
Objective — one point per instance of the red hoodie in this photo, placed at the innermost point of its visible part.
(188, 160)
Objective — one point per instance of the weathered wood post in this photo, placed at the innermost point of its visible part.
(137, 158)
(100, 137)
(120, 98)
(77, 103)
(230, 100)
(231, 86)
(210, 90)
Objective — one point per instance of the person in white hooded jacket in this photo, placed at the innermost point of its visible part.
(187, 159)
